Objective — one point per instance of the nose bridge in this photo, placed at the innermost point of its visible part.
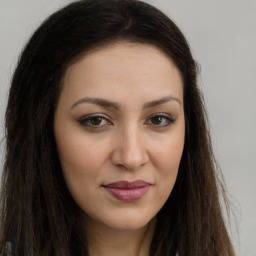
(130, 151)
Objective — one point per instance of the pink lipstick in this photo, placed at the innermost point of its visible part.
(128, 191)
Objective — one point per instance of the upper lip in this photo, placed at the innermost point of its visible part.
(128, 184)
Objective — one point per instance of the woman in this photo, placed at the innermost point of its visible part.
(108, 151)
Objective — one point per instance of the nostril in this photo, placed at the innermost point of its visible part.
(130, 159)
(129, 150)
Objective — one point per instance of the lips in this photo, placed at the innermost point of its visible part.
(128, 191)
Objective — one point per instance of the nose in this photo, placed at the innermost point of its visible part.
(130, 149)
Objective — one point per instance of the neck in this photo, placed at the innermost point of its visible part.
(105, 241)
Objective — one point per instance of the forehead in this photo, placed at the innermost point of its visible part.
(123, 68)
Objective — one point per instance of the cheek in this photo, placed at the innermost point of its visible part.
(79, 151)
(81, 163)
(81, 160)
(168, 155)
(168, 152)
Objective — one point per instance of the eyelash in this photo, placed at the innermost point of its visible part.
(168, 120)
(87, 121)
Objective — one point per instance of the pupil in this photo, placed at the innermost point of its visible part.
(157, 120)
(96, 120)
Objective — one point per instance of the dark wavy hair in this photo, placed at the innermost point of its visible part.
(38, 214)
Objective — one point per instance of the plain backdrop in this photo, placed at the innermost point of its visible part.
(222, 36)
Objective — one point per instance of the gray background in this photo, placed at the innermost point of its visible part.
(222, 35)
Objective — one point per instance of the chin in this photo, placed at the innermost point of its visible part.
(121, 220)
(127, 222)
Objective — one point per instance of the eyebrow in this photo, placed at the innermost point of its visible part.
(155, 103)
(109, 104)
(97, 101)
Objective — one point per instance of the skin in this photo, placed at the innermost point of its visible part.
(133, 139)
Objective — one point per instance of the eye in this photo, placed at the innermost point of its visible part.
(160, 120)
(94, 121)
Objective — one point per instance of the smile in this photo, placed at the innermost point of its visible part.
(128, 191)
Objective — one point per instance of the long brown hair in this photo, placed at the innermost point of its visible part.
(38, 214)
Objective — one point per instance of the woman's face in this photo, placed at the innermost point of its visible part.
(119, 128)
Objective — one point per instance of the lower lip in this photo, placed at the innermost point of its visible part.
(128, 195)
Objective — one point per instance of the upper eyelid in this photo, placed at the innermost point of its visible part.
(162, 114)
(107, 117)
(94, 115)
(87, 118)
